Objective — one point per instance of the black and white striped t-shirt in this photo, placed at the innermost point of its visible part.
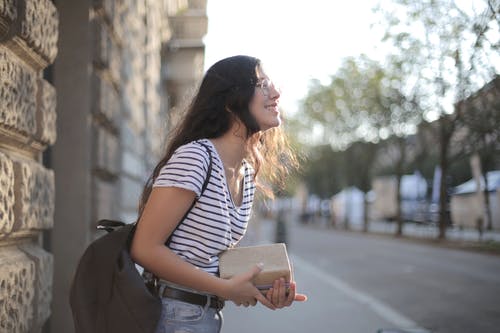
(215, 223)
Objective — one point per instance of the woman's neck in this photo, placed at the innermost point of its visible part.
(232, 151)
(232, 147)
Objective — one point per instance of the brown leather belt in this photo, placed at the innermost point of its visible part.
(193, 298)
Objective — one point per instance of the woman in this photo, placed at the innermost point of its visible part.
(232, 122)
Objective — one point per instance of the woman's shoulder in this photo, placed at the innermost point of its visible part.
(186, 168)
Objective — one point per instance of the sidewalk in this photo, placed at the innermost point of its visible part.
(430, 231)
(333, 305)
(423, 231)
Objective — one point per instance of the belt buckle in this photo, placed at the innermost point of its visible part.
(218, 303)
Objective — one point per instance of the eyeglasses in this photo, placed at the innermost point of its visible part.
(265, 86)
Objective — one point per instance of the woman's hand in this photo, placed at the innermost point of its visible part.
(277, 295)
(241, 290)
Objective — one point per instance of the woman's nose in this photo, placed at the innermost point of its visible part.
(275, 92)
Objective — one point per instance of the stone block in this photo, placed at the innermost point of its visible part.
(130, 190)
(133, 164)
(6, 194)
(104, 199)
(44, 263)
(113, 104)
(136, 106)
(105, 99)
(34, 191)
(46, 113)
(198, 4)
(106, 151)
(17, 290)
(39, 28)
(8, 14)
(17, 94)
(131, 139)
(106, 6)
(100, 42)
(193, 26)
(156, 134)
(115, 61)
(106, 52)
(119, 10)
(153, 61)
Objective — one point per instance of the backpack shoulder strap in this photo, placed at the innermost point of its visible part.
(209, 172)
(203, 188)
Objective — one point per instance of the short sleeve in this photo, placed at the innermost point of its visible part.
(187, 169)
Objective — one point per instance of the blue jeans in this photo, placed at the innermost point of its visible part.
(182, 317)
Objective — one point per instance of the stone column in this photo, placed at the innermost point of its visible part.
(183, 54)
(86, 156)
(28, 44)
(106, 75)
(143, 122)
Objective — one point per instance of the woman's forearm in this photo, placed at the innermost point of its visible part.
(168, 266)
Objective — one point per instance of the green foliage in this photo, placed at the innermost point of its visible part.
(440, 54)
(480, 116)
(449, 48)
(364, 103)
(358, 168)
(328, 172)
(323, 172)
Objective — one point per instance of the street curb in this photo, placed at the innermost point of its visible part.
(485, 247)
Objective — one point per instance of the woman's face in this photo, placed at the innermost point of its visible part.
(264, 105)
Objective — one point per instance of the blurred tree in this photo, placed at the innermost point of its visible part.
(358, 159)
(449, 51)
(480, 115)
(323, 172)
(328, 171)
(365, 102)
(427, 155)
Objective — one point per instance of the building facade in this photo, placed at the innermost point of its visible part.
(87, 89)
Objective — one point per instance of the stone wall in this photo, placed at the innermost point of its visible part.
(142, 122)
(111, 106)
(29, 33)
(128, 133)
(107, 76)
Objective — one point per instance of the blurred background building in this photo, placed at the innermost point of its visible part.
(88, 91)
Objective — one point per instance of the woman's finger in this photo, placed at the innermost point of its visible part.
(291, 294)
(264, 301)
(269, 294)
(282, 293)
(276, 292)
(300, 298)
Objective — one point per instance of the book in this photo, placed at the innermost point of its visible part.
(274, 258)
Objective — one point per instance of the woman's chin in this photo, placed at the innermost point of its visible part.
(271, 124)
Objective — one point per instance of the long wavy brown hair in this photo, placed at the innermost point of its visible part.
(230, 85)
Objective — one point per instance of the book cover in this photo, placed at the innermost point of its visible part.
(274, 258)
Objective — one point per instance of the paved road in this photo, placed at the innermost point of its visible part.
(360, 283)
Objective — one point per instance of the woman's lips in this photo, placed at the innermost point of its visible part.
(273, 107)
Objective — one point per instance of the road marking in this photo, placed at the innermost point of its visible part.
(383, 310)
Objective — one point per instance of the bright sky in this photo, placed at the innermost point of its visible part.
(296, 40)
